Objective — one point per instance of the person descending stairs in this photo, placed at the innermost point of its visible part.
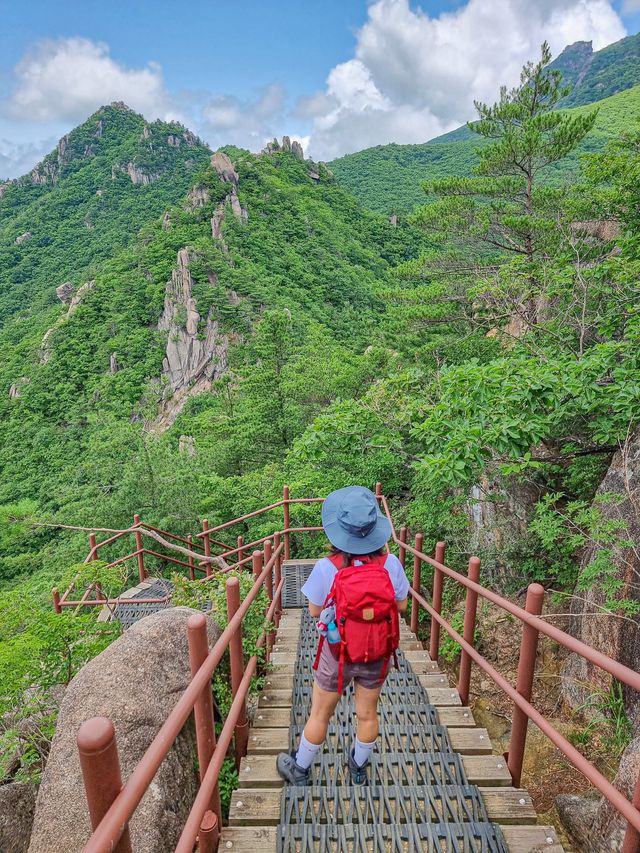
(343, 794)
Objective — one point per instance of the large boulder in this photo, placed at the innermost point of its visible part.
(135, 682)
(17, 803)
(618, 502)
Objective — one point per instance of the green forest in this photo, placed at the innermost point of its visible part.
(489, 340)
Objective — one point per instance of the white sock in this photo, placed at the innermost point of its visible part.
(307, 751)
(362, 751)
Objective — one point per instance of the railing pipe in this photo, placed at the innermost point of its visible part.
(139, 548)
(192, 565)
(268, 584)
(524, 683)
(203, 708)
(436, 600)
(100, 766)
(133, 791)
(237, 667)
(469, 630)
(207, 545)
(185, 844)
(618, 670)
(416, 584)
(240, 518)
(612, 794)
(285, 508)
(402, 551)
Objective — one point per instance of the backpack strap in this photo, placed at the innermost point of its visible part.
(341, 668)
(316, 662)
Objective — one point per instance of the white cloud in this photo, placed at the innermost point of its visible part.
(69, 78)
(17, 158)
(246, 123)
(414, 76)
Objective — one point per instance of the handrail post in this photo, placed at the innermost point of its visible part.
(240, 548)
(436, 603)
(402, 551)
(209, 834)
(92, 544)
(416, 584)
(379, 491)
(207, 545)
(287, 522)
(470, 608)
(203, 708)
(524, 682)
(100, 766)
(237, 668)
(192, 568)
(631, 841)
(141, 570)
(55, 594)
(278, 578)
(256, 563)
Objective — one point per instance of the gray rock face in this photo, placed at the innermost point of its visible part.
(18, 386)
(22, 238)
(114, 367)
(138, 176)
(4, 187)
(577, 815)
(189, 355)
(198, 197)
(64, 292)
(166, 221)
(17, 806)
(618, 638)
(173, 140)
(135, 682)
(609, 827)
(297, 149)
(224, 167)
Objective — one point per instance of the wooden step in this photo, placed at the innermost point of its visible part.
(259, 771)
(519, 839)
(261, 806)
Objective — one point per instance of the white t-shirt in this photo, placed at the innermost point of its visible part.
(319, 582)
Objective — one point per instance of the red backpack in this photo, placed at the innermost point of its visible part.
(366, 614)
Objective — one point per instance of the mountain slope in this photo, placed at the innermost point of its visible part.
(166, 316)
(87, 199)
(595, 76)
(388, 178)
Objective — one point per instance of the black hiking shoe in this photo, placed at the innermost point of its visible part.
(290, 771)
(359, 775)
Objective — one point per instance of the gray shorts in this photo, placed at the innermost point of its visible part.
(366, 674)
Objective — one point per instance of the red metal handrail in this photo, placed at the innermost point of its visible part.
(523, 709)
(110, 828)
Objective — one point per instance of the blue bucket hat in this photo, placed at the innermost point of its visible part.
(353, 522)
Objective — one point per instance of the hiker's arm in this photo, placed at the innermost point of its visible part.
(402, 605)
(315, 610)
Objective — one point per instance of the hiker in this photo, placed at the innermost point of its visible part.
(357, 592)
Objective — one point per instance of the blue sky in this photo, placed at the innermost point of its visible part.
(338, 74)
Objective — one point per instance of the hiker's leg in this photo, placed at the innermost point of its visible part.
(323, 704)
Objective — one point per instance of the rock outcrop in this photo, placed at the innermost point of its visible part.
(17, 806)
(114, 367)
(618, 502)
(138, 176)
(174, 140)
(198, 197)
(224, 167)
(64, 292)
(15, 391)
(227, 173)
(22, 238)
(4, 187)
(67, 294)
(166, 221)
(191, 353)
(135, 682)
(595, 825)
